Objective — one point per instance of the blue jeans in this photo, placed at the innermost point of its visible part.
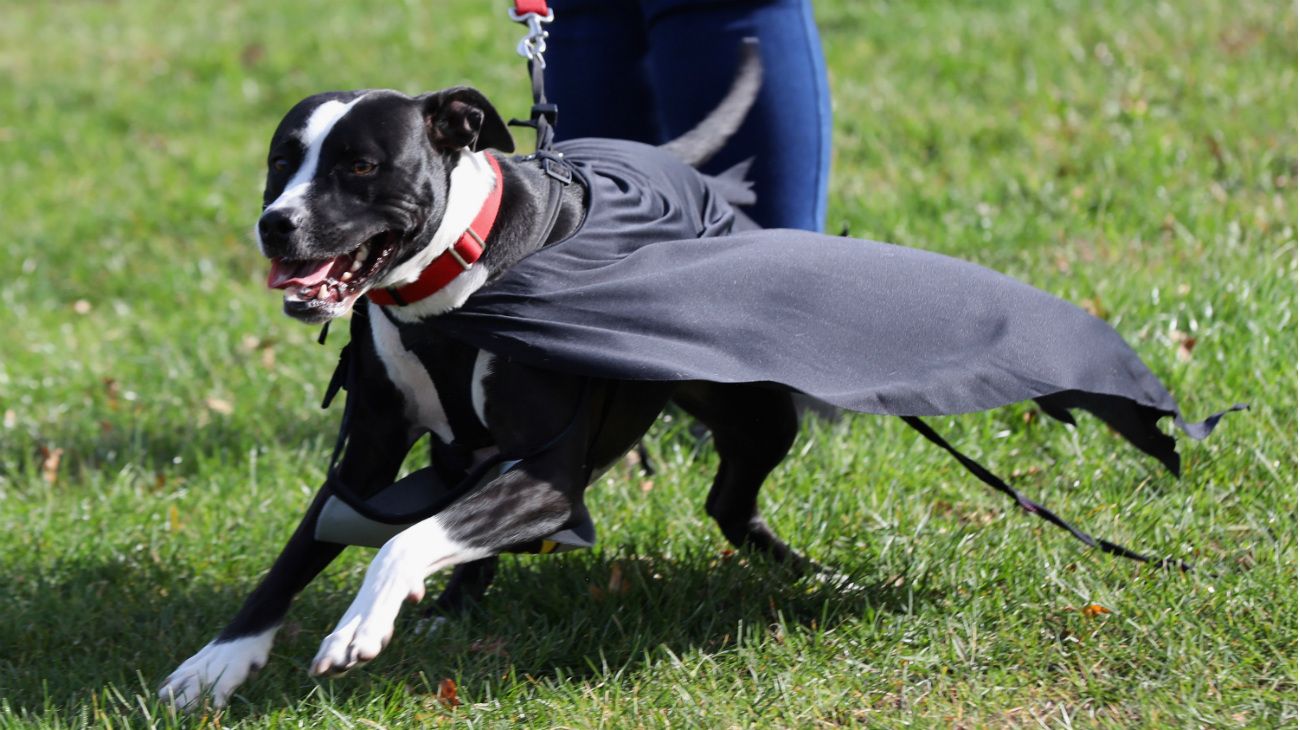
(650, 70)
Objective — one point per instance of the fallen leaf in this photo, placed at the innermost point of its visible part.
(50, 459)
(1092, 305)
(174, 519)
(1030, 416)
(218, 405)
(251, 54)
(1185, 343)
(1094, 609)
(617, 584)
(647, 485)
(111, 391)
(447, 693)
(493, 645)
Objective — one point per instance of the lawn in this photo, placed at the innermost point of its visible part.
(160, 431)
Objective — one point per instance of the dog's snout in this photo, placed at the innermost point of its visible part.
(277, 224)
(276, 231)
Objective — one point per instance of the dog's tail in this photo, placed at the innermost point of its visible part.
(700, 144)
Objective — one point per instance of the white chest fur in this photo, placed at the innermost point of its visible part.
(420, 396)
(424, 408)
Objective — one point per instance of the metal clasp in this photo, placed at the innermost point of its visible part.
(533, 45)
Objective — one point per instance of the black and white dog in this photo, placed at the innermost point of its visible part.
(367, 192)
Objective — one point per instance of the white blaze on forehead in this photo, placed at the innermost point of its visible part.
(312, 135)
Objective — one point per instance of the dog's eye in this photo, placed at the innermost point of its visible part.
(280, 164)
(364, 167)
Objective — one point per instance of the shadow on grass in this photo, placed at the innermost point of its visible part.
(125, 623)
(81, 625)
(606, 617)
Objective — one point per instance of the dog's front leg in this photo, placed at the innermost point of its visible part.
(373, 457)
(527, 503)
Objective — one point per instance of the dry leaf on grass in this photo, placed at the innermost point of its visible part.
(50, 460)
(1185, 344)
(1093, 306)
(111, 392)
(447, 693)
(218, 405)
(1093, 610)
(618, 585)
(494, 645)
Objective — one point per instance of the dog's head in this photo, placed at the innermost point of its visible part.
(357, 183)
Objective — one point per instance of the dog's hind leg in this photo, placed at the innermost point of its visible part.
(753, 428)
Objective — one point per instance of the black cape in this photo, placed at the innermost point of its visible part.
(665, 281)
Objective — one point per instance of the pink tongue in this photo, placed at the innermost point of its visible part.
(285, 274)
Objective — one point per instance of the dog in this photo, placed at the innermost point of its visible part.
(365, 192)
(596, 307)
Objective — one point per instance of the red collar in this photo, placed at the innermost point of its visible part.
(454, 261)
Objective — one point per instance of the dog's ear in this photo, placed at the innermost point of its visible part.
(462, 117)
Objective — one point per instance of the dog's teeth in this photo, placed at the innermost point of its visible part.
(347, 276)
(356, 266)
(363, 252)
(323, 293)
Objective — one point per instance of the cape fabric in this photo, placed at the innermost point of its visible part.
(665, 282)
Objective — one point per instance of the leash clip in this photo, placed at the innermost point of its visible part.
(533, 45)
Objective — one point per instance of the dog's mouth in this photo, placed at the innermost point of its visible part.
(319, 289)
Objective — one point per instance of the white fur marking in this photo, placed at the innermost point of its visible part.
(471, 182)
(217, 670)
(312, 135)
(412, 379)
(396, 574)
(477, 398)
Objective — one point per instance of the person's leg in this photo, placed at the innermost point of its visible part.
(692, 59)
(595, 71)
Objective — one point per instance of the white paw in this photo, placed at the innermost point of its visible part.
(396, 574)
(367, 626)
(216, 671)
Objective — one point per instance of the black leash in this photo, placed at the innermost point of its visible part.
(1033, 507)
(543, 114)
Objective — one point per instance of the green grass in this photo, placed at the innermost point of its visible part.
(1137, 157)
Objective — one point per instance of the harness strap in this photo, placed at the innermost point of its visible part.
(344, 378)
(1032, 507)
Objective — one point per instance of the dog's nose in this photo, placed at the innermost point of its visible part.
(276, 225)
